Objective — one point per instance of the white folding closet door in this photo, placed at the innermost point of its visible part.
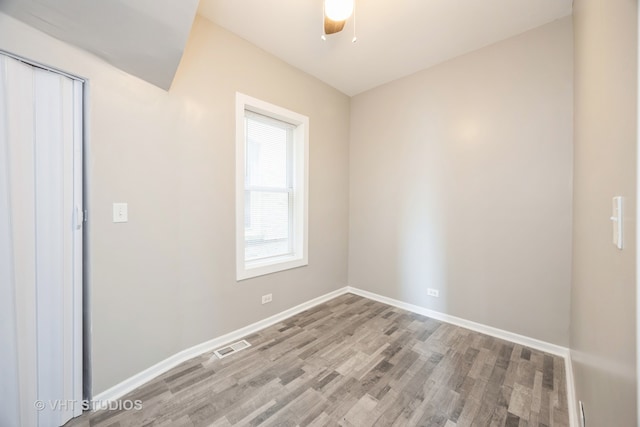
(41, 186)
(9, 385)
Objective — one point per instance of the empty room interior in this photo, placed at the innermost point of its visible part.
(318, 213)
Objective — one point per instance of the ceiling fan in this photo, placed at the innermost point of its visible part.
(336, 13)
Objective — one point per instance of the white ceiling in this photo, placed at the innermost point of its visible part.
(145, 38)
(395, 37)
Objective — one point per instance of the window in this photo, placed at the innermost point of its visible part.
(271, 188)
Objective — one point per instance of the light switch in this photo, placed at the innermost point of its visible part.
(616, 221)
(120, 212)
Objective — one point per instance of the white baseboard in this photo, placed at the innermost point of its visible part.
(468, 324)
(130, 384)
(494, 332)
(149, 374)
(574, 419)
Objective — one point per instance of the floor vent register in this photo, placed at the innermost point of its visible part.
(231, 349)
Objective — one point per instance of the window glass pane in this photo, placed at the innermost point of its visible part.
(267, 231)
(266, 154)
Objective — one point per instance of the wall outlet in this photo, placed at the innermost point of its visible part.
(433, 293)
(583, 422)
(267, 298)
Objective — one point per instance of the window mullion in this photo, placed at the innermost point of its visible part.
(267, 189)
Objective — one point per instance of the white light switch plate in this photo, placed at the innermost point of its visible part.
(616, 221)
(120, 212)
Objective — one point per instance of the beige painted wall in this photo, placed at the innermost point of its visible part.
(603, 295)
(460, 180)
(165, 280)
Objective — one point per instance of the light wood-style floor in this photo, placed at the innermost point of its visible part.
(356, 362)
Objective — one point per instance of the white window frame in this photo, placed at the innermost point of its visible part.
(300, 175)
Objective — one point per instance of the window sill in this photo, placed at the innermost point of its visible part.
(262, 267)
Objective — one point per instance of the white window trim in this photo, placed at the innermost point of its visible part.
(300, 257)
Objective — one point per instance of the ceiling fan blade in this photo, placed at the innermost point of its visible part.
(331, 27)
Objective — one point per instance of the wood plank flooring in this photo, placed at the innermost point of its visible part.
(356, 362)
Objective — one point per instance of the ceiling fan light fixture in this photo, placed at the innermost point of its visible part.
(338, 10)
